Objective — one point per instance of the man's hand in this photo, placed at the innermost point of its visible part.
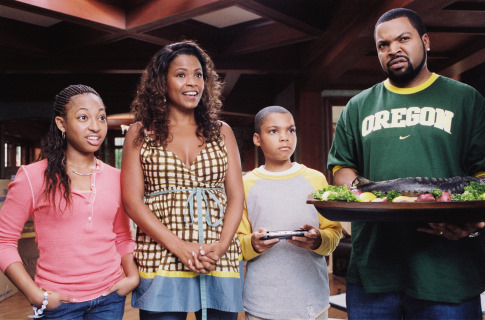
(452, 231)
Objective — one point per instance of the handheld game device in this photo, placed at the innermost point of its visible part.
(284, 234)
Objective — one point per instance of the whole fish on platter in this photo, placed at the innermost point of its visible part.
(413, 187)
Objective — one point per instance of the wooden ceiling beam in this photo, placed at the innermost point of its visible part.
(352, 21)
(26, 38)
(464, 64)
(274, 15)
(464, 60)
(264, 37)
(262, 62)
(457, 30)
(149, 39)
(425, 8)
(159, 13)
(95, 13)
(230, 81)
(339, 52)
(103, 39)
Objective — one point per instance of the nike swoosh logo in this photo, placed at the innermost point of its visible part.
(402, 138)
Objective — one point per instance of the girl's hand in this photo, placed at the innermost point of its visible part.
(54, 300)
(259, 245)
(21, 279)
(124, 286)
(312, 239)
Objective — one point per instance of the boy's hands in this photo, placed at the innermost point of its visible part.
(259, 245)
(312, 239)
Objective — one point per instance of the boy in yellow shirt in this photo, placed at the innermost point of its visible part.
(284, 279)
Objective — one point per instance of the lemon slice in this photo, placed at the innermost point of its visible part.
(326, 194)
(403, 199)
(366, 197)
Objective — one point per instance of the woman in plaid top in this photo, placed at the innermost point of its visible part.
(182, 186)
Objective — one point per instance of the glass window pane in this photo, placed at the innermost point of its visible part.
(118, 152)
(119, 141)
(18, 156)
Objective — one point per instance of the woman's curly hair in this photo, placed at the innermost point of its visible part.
(150, 103)
(54, 149)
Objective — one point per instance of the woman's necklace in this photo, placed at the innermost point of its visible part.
(86, 174)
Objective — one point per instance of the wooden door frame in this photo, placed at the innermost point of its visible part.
(328, 103)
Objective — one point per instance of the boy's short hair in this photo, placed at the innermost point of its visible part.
(263, 113)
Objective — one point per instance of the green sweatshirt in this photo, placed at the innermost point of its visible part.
(434, 130)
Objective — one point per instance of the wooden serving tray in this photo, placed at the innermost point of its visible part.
(456, 211)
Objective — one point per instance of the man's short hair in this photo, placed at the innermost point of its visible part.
(412, 16)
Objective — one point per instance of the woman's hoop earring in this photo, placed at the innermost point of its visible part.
(63, 135)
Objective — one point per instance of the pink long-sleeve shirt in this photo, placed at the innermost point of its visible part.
(80, 248)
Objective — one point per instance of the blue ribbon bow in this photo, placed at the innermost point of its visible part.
(200, 195)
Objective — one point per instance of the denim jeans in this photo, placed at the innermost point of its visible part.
(397, 305)
(212, 314)
(111, 307)
(323, 316)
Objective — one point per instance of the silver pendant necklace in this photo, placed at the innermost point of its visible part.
(81, 174)
(86, 174)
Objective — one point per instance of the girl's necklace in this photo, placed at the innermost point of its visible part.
(85, 174)
(81, 174)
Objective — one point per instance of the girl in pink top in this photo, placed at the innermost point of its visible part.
(82, 231)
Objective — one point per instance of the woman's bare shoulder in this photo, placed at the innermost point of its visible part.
(225, 128)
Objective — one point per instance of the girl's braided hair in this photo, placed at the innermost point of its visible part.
(54, 149)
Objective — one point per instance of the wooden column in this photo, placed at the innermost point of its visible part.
(2, 151)
(309, 125)
(327, 125)
(249, 152)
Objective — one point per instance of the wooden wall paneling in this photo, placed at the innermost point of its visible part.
(2, 151)
(328, 135)
(309, 126)
(328, 103)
